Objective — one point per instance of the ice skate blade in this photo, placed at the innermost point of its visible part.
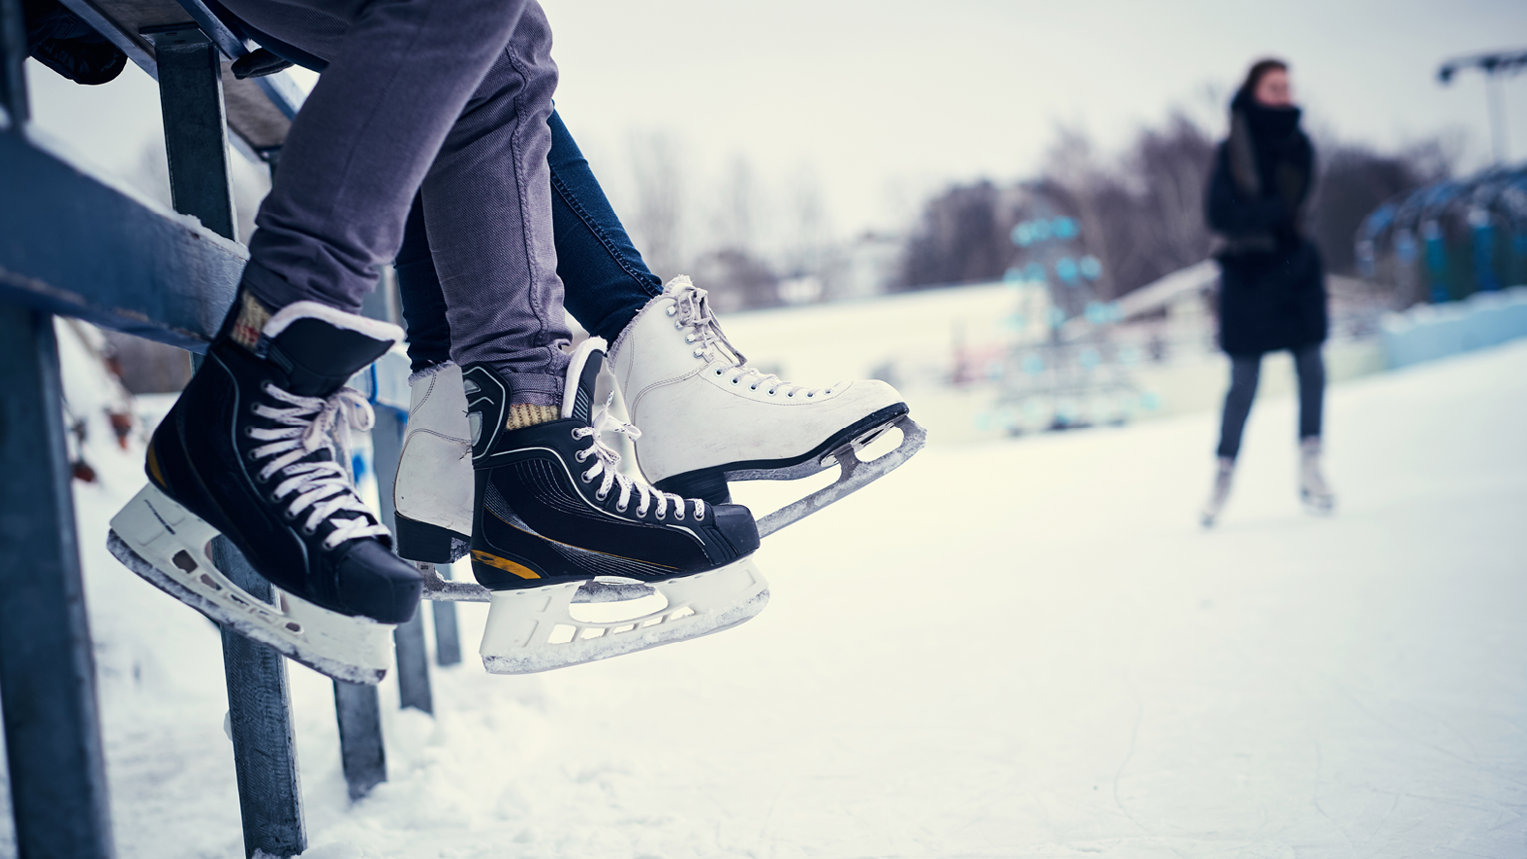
(168, 545)
(1318, 506)
(855, 475)
(533, 629)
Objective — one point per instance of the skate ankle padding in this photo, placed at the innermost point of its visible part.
(522, 415)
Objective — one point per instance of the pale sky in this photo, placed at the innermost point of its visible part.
(884, 101)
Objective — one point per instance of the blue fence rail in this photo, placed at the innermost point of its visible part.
(77, 244)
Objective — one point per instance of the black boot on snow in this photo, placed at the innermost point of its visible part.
(560, 537)
(253, 449)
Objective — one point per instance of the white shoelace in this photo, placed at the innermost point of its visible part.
(322, 488)
(605, 461)
(692, 309)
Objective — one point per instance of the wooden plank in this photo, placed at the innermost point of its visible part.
(47, 668)
(195, 127)
(73, 244)
(259, 714)
(363, 758)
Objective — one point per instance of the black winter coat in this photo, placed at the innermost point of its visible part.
(1272, 281)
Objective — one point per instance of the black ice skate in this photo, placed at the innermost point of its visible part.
(553, 515)
(250, 451)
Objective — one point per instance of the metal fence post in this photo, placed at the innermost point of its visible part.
(413, 656)
(47, 670)
(259, 701)
(48, 703)
(447, 635)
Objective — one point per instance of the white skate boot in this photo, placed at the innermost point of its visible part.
(1313, 490)
(1221, 492)
(707, 417)
(432, 497)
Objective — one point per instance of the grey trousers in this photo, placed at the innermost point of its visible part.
(1246, 370)
(445, 98)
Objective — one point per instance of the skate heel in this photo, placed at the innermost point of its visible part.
(421, 541)
(539, 629)
(167, 545)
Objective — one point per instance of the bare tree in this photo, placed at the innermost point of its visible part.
(659, 213)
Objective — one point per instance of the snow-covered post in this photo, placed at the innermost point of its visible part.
(259, 704)
(47, 667)
(413, 656)
(47, 671)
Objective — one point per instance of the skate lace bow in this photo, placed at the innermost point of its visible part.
(606, 459)
(703, 331)
(321, 487)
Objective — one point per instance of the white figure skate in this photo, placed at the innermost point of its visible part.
(1313, 489)
(707, 417)
(1221, 492)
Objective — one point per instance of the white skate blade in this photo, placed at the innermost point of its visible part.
(534, 629)
(856, 473)
(1318, 505)
(167, 544)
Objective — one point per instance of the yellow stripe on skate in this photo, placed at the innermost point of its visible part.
(520, 570)
(153, 467)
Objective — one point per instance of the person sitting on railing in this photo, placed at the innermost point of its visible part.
(446, 100)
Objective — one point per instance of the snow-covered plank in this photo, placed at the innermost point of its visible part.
(75, 244)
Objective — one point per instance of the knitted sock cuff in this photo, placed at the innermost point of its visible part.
(250, 322)
(523, 415)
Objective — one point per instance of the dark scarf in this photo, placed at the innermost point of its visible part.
(1268, 156)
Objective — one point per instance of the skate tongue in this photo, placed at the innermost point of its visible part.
(582, 375)
(319, 347)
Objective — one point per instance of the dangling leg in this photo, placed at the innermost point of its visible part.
(1245, 370)
(251, 448)
(1313, 489)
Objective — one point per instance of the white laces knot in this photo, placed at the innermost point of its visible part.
(323, 487)
(606, 459)
(694, 316)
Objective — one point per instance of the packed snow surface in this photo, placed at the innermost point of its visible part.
(1025, 648)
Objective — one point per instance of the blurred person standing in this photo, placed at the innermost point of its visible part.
(1272, 293)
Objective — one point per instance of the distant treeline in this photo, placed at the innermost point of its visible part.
(1141, 212)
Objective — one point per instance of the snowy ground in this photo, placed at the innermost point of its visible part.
(1017, 649)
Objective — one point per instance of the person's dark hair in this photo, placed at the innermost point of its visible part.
(1259, 69)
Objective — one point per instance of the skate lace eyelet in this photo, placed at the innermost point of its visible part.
(773, 391)
(309, 531)
(810, 394)
(689, 338)
(679, 514)
(699, 515)
(718, 371)
(752, 387)
(253, 457)
(587, 478)
(737, 381)
(672, 311)
(602, 495)
(790, 396)
(581, 455)
(661, 515)
(699, 353)
(621, 508)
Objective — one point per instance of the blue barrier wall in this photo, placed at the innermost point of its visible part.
(1427, 332)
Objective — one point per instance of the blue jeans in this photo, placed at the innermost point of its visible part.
(1246, 370)
(604, 279)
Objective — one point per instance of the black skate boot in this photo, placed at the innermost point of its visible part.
(556, 524)
(250, 451)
